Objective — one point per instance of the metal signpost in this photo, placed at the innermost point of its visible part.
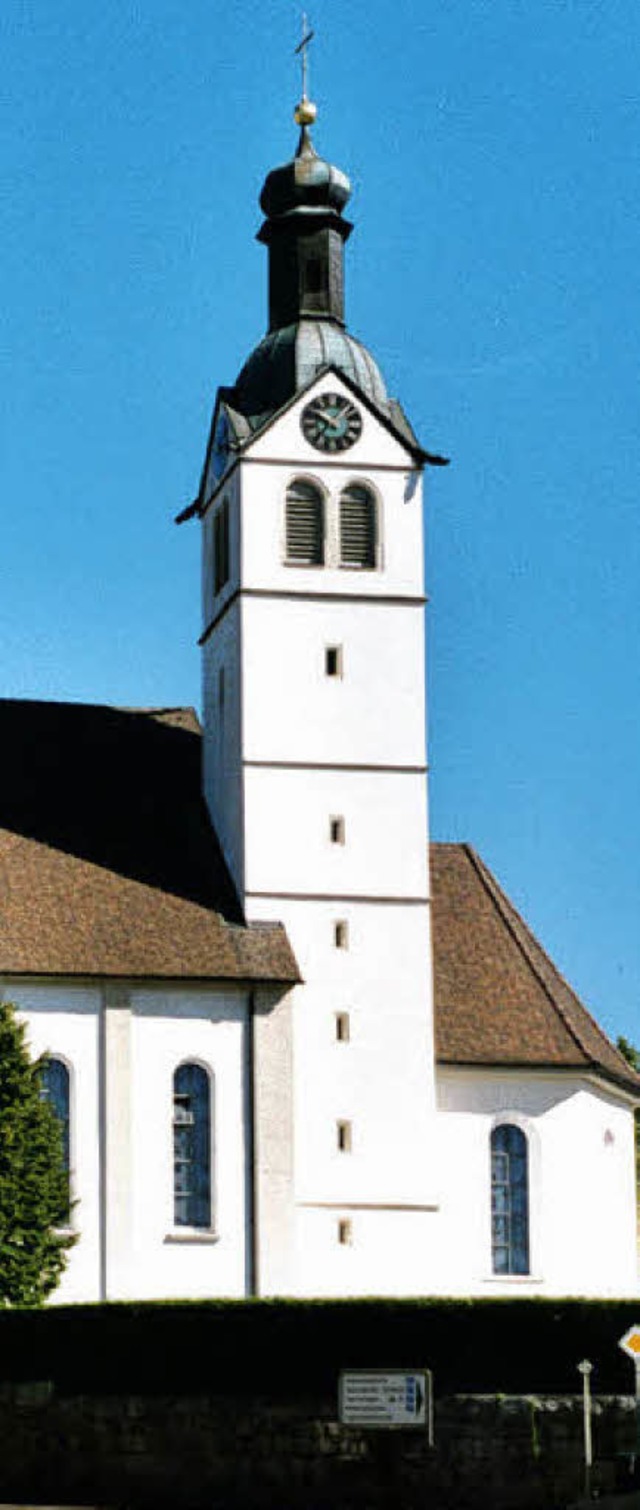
(586, 1369)
(630, 1345)
(387, 1399)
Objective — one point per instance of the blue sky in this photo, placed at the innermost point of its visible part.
(493, 146)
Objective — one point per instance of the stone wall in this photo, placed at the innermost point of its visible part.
(490, 1453)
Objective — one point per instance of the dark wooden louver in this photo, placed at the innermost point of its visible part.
(357, 527)
(305, 524)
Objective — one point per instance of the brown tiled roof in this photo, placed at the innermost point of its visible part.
(498, 998)
(108, 862)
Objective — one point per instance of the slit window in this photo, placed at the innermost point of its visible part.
(343, 1027)
(337, 830)
(345, 1232)
(333, 660)
(221, 546)
(191, 1146)
(344, 1137)
(304, 524)
(341, 934)
(358, 527)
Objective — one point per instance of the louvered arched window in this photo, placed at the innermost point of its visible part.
(358, 526)
(509, 1200)
(304, 523)
(191, 1146)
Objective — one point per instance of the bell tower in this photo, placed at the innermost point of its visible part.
(314, 740)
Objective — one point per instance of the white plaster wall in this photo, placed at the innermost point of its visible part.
(381, 1080)
(293, 711)
(62, 1020)
(288, 847)
(169, 1026)
(389, 1253)
(582, 1185)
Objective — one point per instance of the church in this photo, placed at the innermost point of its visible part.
(295, 1049)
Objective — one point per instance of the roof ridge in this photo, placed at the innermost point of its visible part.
(530, 947)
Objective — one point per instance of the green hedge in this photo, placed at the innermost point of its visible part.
(285, 1348)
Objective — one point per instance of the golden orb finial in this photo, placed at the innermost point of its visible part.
(305, 112)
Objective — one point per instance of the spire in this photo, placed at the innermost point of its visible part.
(303, 202)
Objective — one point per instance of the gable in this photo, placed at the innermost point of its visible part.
(499, 999)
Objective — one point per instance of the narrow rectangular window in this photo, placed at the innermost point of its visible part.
(221, 689)
(333, 660)
(221, 546)
(344, 1138)
(343, 1027)
(336, 830)
(345, 1232)
(341, 934)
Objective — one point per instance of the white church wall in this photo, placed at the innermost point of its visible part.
(582, 1196)
(169, 1027)
(62, 1020)
(122, 1046)
(294, 711)
(380, 1080)
(288, 815)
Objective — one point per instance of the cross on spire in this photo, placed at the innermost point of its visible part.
(307, 35)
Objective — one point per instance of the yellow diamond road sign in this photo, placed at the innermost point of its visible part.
(630, 1343)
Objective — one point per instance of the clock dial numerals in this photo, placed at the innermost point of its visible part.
(331, 423)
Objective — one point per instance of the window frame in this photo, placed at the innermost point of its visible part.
(517, 1267)
(194, 1230)
(364, 486)
(303, 480)
(68, 1135)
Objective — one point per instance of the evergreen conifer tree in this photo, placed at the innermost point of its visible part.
(34, 1184)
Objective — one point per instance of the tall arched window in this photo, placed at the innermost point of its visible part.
(358, 526)
(509, 1200)
(191, 1146)
(55, 1082)
(304, 523)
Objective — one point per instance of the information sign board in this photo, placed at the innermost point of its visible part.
(386, 1398)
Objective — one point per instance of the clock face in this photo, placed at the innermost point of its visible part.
(331, 423)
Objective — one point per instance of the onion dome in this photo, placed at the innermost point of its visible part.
(307, 184)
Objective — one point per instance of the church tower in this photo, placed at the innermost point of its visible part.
(314, 746)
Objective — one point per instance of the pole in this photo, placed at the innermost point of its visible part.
(586, 1368)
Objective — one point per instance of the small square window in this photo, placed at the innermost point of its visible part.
(343, 1135)
(345, 1232)
(343, 1027)
(333, 660)
(341, 935)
